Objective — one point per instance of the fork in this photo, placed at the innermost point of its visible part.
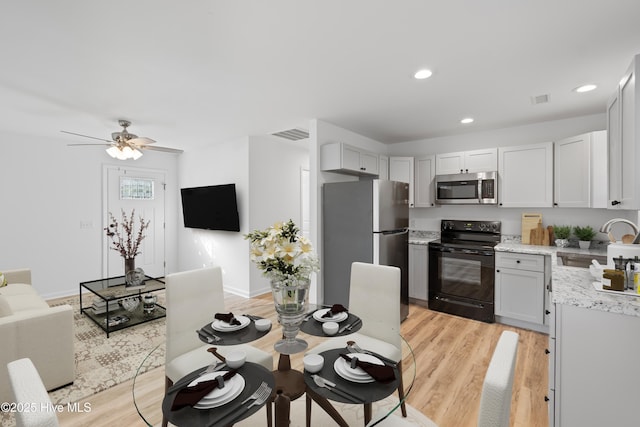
(259, 397)
(355, 348)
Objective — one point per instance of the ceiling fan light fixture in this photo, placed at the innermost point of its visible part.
(422, 74)
(113, 151)
(136, 154)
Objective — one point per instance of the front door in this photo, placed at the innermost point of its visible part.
(127, 189)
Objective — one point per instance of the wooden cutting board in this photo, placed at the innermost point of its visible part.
(529, 222)
(536, 235)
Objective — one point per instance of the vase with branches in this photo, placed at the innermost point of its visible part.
(125, 239)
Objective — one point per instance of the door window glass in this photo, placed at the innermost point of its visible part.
(136, 188)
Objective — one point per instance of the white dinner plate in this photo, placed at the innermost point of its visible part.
(219, 396)
(343, 368)
(340, 317)
(222, 326)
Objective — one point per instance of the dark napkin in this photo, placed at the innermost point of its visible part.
(380, 373)
(227, 317)
(189, 396)
(335, 309)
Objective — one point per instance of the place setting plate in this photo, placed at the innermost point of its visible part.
(219, 396)
(339, 317)
(222, 326)
(357, 375)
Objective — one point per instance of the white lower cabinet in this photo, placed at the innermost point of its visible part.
(418, 272)
(521, 290)
(593, 371)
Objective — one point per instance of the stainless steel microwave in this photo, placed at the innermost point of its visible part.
(467, 189)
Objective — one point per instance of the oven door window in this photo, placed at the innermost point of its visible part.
(457, 190)
(466, 275)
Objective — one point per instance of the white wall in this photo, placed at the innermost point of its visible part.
(275, 166)
(224, 163)
(266, 171)
(47, 190)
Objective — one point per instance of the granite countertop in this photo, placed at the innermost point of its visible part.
(573, 285)
(420, 237)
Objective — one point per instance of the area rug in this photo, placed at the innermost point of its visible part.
(102, 362)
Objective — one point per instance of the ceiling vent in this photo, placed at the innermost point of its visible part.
(293, 134)
(540, 99)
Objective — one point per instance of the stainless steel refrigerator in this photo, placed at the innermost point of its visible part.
(364, 221)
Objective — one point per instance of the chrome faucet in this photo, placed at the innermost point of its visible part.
(606, 227)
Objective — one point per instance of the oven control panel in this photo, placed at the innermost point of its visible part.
(477, 226)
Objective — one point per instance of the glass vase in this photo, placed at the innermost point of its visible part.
(290, 297)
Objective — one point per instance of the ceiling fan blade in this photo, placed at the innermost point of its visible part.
(157, 148)
(94, 145)
(86, 136)
(141, 140)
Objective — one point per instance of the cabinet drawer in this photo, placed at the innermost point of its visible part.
(518, 261)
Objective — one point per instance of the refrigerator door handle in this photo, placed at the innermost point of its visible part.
(397, 231)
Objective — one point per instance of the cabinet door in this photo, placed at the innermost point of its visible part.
(350, 158)
(572, 172)
(520, 294)
(525, 175)
(383, 167)
(627, 141)
(481, 160)
(401, 170)
(449, 163)
(614, 154)
(418, 271)
(369, 162)
(424, 175)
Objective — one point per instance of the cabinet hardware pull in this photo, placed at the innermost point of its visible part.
(615, 202)
(547, 312)
(517, 261)
(546, 351)
(546, 398)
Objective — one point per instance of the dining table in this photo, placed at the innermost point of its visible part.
(286, 381)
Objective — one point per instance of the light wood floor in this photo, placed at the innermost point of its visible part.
(452, 355)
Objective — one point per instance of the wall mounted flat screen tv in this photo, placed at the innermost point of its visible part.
(212, 207)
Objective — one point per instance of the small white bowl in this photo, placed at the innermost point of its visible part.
(313, 363)
(236, 359)
(263, 324)
(330, 328)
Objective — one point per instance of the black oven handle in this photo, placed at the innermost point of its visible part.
(464, 251)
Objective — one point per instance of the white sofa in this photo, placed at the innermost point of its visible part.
(30, 328)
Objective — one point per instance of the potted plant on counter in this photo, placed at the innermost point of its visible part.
(584, 235)
(562, 233)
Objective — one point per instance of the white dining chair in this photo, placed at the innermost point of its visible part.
(374, 296)
(495, 402)
(192, 299)
(30, 395)
(497, 388)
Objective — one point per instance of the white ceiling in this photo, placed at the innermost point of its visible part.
(188, 73)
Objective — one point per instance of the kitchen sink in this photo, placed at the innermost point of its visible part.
(572, 259)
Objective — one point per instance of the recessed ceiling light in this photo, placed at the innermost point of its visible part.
(422, 74)
(466, 120)
(585, 88)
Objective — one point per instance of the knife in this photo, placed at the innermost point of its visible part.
(354, 324)
(322, 382)
(348, 326)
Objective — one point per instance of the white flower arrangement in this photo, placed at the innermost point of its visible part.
(282, 253)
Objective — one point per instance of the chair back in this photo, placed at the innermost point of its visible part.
(192, 299)
(374, 296)
(495, 402)
(28, 390)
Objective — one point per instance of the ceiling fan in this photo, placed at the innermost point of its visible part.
(124, 145)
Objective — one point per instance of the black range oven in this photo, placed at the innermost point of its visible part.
(461, 269)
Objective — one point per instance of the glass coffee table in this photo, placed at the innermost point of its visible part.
(116, 306)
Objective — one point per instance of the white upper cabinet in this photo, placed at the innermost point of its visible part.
(580, 171)
(525, 175)
(401, 169)
(344, 158)
(425, 173)
(485, 160)
(624, 138)
(383, 167)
